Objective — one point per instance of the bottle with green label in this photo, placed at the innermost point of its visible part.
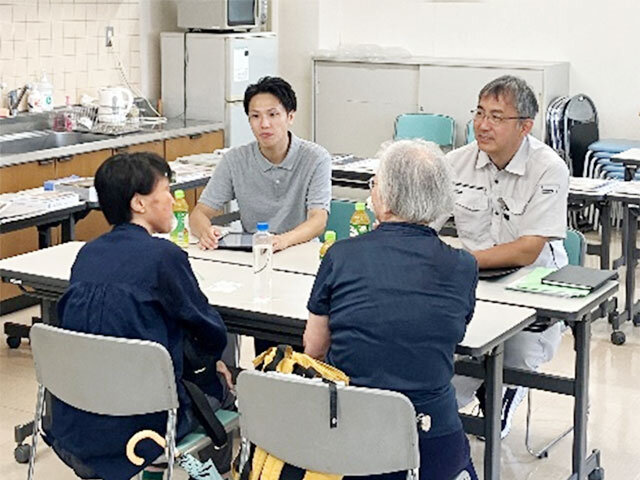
(329, 239)
(180, 234)
(359, 222)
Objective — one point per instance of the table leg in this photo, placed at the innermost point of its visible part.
(631, 261)
(493, 364)
(605, 235)
(44, 236)
(582, 338)
(68, 229)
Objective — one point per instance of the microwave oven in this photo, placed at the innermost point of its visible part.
(222, 15)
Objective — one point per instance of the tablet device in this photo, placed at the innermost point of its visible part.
(236, 241)
(488, 273)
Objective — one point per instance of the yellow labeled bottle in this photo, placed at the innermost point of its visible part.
(180, 234)
(329, 239)
(359, 222)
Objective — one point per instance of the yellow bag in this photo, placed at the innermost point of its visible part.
(264, 466)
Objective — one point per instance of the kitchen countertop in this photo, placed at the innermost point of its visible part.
(171, 129)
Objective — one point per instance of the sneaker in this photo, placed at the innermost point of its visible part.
(511, 398)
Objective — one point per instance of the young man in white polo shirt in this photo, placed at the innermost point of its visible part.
(511, 210)
(280, 178)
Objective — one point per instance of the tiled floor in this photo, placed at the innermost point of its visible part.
(614, 426)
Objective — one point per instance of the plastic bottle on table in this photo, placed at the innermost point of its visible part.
(180, 234)
(359, 222)
(262, 267)
(329, 239)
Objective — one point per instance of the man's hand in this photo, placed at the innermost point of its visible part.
(222, 368)
(209, 239)
(280, 242)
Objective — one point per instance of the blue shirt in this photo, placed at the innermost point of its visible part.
(129, 284)
(398, 301)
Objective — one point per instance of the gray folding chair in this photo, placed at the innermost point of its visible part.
(107, 375)
(288, 416)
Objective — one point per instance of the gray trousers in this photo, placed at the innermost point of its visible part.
(525, 350)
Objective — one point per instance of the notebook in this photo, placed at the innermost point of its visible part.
(531, 283)
(579, 277)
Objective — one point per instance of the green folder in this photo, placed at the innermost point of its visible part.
(532, 283)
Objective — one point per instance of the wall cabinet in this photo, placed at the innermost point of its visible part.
(356, 101)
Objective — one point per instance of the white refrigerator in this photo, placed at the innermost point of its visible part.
(204, 76)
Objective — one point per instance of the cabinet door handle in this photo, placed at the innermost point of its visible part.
(195, 135)
(47, 161)
(68, 158)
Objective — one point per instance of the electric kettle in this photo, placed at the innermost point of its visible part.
(113, 104)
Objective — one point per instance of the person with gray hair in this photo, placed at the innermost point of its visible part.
(389, 307)
(510, 211)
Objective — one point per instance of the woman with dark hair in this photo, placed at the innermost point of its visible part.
(130, 284)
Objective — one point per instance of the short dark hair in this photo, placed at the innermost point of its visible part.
(516, 90)
(123, 175)
(276, 86)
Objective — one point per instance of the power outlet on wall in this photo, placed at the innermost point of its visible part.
(109, 36)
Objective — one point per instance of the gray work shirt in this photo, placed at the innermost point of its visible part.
(279, 194)
(527, 197)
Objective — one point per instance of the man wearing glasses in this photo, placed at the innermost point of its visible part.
(510, 211)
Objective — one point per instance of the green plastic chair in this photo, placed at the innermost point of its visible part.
(576, 247)
(440, 129)
(341, 211)
(470, 133)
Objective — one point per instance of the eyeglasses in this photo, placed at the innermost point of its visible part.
(372, 183)
(494, 119)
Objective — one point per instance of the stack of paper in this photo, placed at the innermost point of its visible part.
(585, 184)
(627, 188)
(185, 172)
(83, 186)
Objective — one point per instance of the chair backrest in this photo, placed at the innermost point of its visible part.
(576, 247)
(288, 416)
(341, 211)
(469, 132)
(105, 375)
(440, 129)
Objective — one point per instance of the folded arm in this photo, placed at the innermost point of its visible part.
(519, 253)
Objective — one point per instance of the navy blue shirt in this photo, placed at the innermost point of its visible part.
(129, 284)
(398, 301)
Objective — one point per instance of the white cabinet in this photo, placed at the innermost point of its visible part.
(355, 104)
(356, 100)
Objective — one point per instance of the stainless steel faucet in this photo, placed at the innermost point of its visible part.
(15, 97)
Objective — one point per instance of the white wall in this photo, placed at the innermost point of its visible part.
(598, 38)
(297, 25)
(155, 16)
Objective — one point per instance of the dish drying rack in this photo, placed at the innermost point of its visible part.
(85, 119)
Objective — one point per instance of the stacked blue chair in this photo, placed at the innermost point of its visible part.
(598, 164)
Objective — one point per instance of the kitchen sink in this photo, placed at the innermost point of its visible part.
(45, 141)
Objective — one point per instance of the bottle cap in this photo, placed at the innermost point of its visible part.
(262, 226)
(360, 206)
(179, 194)
(329, 236)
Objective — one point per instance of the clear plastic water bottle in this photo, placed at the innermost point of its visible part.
(262, 267)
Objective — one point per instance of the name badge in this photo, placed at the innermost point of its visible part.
(549, 189)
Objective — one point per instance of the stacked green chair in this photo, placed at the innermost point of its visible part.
(440, 129)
